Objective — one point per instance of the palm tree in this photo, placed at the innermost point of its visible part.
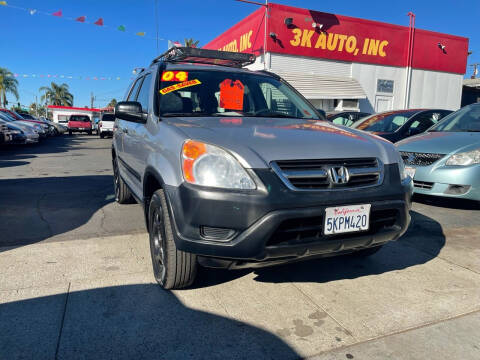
(112, 103)
(191, 43)
(57, 95)
(8, 84)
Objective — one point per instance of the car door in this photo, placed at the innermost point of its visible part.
(137, 134)
(122, 128)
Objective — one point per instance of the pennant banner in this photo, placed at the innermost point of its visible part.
(82, 19)
(72, 77)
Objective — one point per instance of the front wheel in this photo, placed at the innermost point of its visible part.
(89, 132)
(102, 135)
(122, 193)
(70, 132)
(172, 268)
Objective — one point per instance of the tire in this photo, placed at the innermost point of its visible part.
(122, 193)
(367, 252)
(172, 268)
(70, 132)
(89, 132)
(102, 135)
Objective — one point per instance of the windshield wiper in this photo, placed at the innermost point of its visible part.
(275, 115)
(174, 114)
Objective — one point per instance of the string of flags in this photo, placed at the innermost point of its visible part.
(81, 19)
(70, 77)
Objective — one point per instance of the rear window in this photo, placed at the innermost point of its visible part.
(82, 118)
(108, 117)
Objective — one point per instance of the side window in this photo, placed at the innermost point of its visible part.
(276, 100)
(422, 122)
(143, 94)
(134, 90)
(340, 120)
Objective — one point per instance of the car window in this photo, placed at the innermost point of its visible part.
(144, 92)
(467, 119)
(229, 93)
(384, 122)
(133, 92)
(340, 120)
(108, 117)
(83, 118)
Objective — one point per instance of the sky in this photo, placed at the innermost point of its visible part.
(41, 44)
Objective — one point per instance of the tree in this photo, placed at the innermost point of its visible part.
(191, 43)
(112, 103)
(57, 95)
(8, 84)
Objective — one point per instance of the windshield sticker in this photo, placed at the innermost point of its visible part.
(175, 76)
(231, 94)
(179, 86)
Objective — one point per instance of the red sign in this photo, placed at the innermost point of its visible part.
(310, 33)
(231, 94)
(175, 76)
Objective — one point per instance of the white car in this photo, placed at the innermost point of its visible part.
(105, 126)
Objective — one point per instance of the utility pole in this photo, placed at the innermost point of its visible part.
(475, 70)
(92, 99)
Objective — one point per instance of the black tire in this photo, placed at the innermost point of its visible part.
(367, 252)
(172, 268)
(89, 132)
(122, 193)
(70, 132)
(102, 135)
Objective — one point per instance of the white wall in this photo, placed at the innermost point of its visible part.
(434, 89)
(290, 63)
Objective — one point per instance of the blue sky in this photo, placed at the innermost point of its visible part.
(40, 44)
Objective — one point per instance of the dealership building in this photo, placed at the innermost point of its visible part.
(61, 114)
(344, 63)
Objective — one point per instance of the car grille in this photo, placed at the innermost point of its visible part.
(310, 229)
(423, 184)
(420, 159)
(314, 174)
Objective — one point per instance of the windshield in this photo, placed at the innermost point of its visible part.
(108, 117)
(384, 122)
(221, 93)
(81, 118)
(467, 119)
(6, 117)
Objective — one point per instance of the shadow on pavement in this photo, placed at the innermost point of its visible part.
(450, 203)
(421, 243)
(58, 144)
(128, 322)
(35, 209)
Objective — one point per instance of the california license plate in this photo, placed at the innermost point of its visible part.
(410, 171)
(344, 219)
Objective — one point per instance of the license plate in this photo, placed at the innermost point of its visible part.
(410, 171)
(343, 219)
(81, 128)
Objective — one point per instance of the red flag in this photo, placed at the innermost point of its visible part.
(99, 22)
(81, 19)
(58, 13)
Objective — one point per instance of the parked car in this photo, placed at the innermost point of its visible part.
(346, 118)
(445, 161)
(5, 136)
(400, 124)
(105, 126)
(59, 128)
(79, 123)
(37, 128)
(229, 178)
(20, 134)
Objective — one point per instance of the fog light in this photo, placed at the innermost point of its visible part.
(217, 234)
(457, 189)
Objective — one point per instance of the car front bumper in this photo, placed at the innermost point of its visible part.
(254, 223)
(449, 181)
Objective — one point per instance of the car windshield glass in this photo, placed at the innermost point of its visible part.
(467, 119)
(27, 116)
(6, 117)
(223, 93)
(384, 122)
(108, 117)
(82, 118)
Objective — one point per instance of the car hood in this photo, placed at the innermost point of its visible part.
(440, 142)
(258, 141)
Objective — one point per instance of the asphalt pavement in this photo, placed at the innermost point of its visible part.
(76, 280)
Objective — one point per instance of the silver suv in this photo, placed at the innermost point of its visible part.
(236, 169)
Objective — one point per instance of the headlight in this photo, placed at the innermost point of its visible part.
(16, 132)
(209, 165)
(401, 169)
(464, 158)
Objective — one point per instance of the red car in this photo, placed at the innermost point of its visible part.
(79, 123)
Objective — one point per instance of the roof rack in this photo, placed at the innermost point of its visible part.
(206, 56)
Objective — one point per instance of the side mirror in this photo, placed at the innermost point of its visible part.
(130, 111)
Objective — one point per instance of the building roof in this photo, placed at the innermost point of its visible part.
(75, 108)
